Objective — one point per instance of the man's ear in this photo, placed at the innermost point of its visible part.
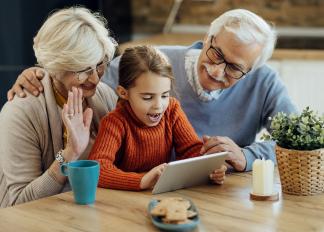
(206, 40)
(122, 92)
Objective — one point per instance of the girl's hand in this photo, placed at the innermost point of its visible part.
(150, 178)
(77, 124)
(218, 176)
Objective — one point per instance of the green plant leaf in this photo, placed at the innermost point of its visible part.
(300, 132)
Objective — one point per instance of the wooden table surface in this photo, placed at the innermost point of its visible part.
(221, 208)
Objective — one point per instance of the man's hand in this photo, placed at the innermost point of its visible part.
(218, 176)
(28, 80)
(216, 144)
(150, 178)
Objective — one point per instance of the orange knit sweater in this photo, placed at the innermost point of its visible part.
(127, 149)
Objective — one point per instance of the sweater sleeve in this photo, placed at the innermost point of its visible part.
(276, 100)
(109, 96)
(111, 75)
(105, 150)
(186, 142)
(21, 154)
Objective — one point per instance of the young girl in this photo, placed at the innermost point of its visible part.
(135, 140)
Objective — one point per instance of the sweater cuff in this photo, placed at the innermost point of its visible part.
(249, 157)
(135, 181)
(46, 186)
(128, 181)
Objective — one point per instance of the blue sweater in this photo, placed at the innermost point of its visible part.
(239, 113)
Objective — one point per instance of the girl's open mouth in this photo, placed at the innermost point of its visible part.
(154, 117)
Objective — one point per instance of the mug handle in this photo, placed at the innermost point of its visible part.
(64, 169)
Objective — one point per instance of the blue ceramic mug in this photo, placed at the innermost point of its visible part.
(83, 177)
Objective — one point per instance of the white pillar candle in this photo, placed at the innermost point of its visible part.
(262, 177)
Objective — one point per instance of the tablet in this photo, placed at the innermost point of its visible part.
(188, 172)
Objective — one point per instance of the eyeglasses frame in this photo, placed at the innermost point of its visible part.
(223, 61)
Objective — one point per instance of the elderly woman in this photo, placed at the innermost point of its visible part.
(74, 48)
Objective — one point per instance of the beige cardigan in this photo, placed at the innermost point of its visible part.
(30, 136)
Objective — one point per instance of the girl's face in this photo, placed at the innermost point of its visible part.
(148, 98)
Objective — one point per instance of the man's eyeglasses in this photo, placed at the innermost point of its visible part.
(100, 69)
(231, 70)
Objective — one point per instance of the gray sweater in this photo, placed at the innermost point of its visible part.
(239, 113)
(31, 134)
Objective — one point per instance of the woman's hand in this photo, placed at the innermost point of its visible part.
(215, 144)
(150, 178)
(28, 80)
(218, 176)
(77, 124)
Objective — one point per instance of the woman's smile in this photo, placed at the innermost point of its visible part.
(88, 86)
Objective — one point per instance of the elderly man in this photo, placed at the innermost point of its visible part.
(224, 86)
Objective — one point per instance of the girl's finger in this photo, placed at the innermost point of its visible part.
(222, 169)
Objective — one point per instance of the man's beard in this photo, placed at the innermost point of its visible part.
(209, 70)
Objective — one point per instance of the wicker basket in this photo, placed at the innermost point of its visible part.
(301, 172)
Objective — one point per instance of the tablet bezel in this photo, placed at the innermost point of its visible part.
(178, 174)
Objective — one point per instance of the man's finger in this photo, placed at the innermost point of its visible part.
(35, 82)
(219, 148)
(205, 138)
(18, 90)
(10, 95)
(221, 139)
(230, 162)
(26, 84)
(209, 146)
(214, 149)
(40, 73)
(228, 166)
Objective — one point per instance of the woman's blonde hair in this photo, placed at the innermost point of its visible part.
(73, 39)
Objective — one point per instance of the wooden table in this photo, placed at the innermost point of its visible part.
(221, 208)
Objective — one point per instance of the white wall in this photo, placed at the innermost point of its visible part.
(304, 80)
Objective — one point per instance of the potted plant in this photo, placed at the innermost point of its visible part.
(299, 151)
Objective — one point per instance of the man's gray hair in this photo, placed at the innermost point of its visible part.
(249, 28)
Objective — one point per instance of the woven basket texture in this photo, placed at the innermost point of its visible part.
(301, 172)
